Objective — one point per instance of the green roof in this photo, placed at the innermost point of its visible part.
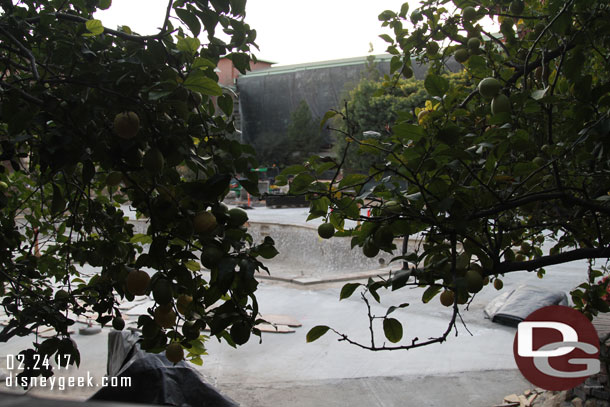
(317, 65)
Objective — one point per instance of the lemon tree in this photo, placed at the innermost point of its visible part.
(492, 167)
(97, 119)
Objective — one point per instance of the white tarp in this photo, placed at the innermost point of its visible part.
(514, 306)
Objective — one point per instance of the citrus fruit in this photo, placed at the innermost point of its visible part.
(174, 352)
(498, 284)
(61, 295)
(118, 323)
(137, 282)
(474, 281)
(126, 124)
(383, 236)
(162, 291)
(237, 216)
(326, 230)
(114, 178)
(489, 87)
(469, 13)
(183, 302)
(204, 222)
(370, 249)
(461, 56)
(165, 316)
(153, 161)
(539, 161)
(516, 7)
(500, 104)
(474, 43)
(240, 332)
(447, 298)
(210, 256)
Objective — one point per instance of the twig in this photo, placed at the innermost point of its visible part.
(24, 49)
(120, 34)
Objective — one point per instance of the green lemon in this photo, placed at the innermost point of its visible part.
(461, 55)
(469, 14)
(237, 217)
(474, 43)
(489, 87)
(326, 230)
(447, 298)
(126, 124)
(204, 222)
(210, 256)
(370, 249)
(500, 104)
(474, 281)
(174, 352)
(162, 291)
(118, 323)
(114, 178)
(516, 7)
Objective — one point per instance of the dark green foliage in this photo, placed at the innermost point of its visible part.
(63, 79)
(482, 189)
(303, 137)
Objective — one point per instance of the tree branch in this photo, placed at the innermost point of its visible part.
(120, 34)
(22, 47)
(546, 196)
(576, 254)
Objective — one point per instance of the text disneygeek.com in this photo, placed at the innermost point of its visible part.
(62, 382)
(62, 362)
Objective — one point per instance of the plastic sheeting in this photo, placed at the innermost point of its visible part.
(268, 97)
(154, 379)
(514, 306)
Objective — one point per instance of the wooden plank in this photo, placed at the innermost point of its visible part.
(278, 319)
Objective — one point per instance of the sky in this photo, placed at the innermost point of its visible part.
(288, 31)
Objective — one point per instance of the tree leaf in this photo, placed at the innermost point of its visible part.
(190, 19)
(198, 82)
(436, 85)
(392, 328)
(105, 4)
(95, 27)
(225, 102)
(347, 290)
(327, 116)
(430, 293)
(188, 45)
(316, 332)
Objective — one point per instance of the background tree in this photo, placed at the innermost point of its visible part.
(373, 106)
(94, 119)
(303, 137)
(485, 174)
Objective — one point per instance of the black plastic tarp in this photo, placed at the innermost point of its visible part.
(154, 379)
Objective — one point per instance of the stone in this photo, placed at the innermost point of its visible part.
(601, 394)
(554, 399)
(523, 401)
(512, 398)
(577, 402)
